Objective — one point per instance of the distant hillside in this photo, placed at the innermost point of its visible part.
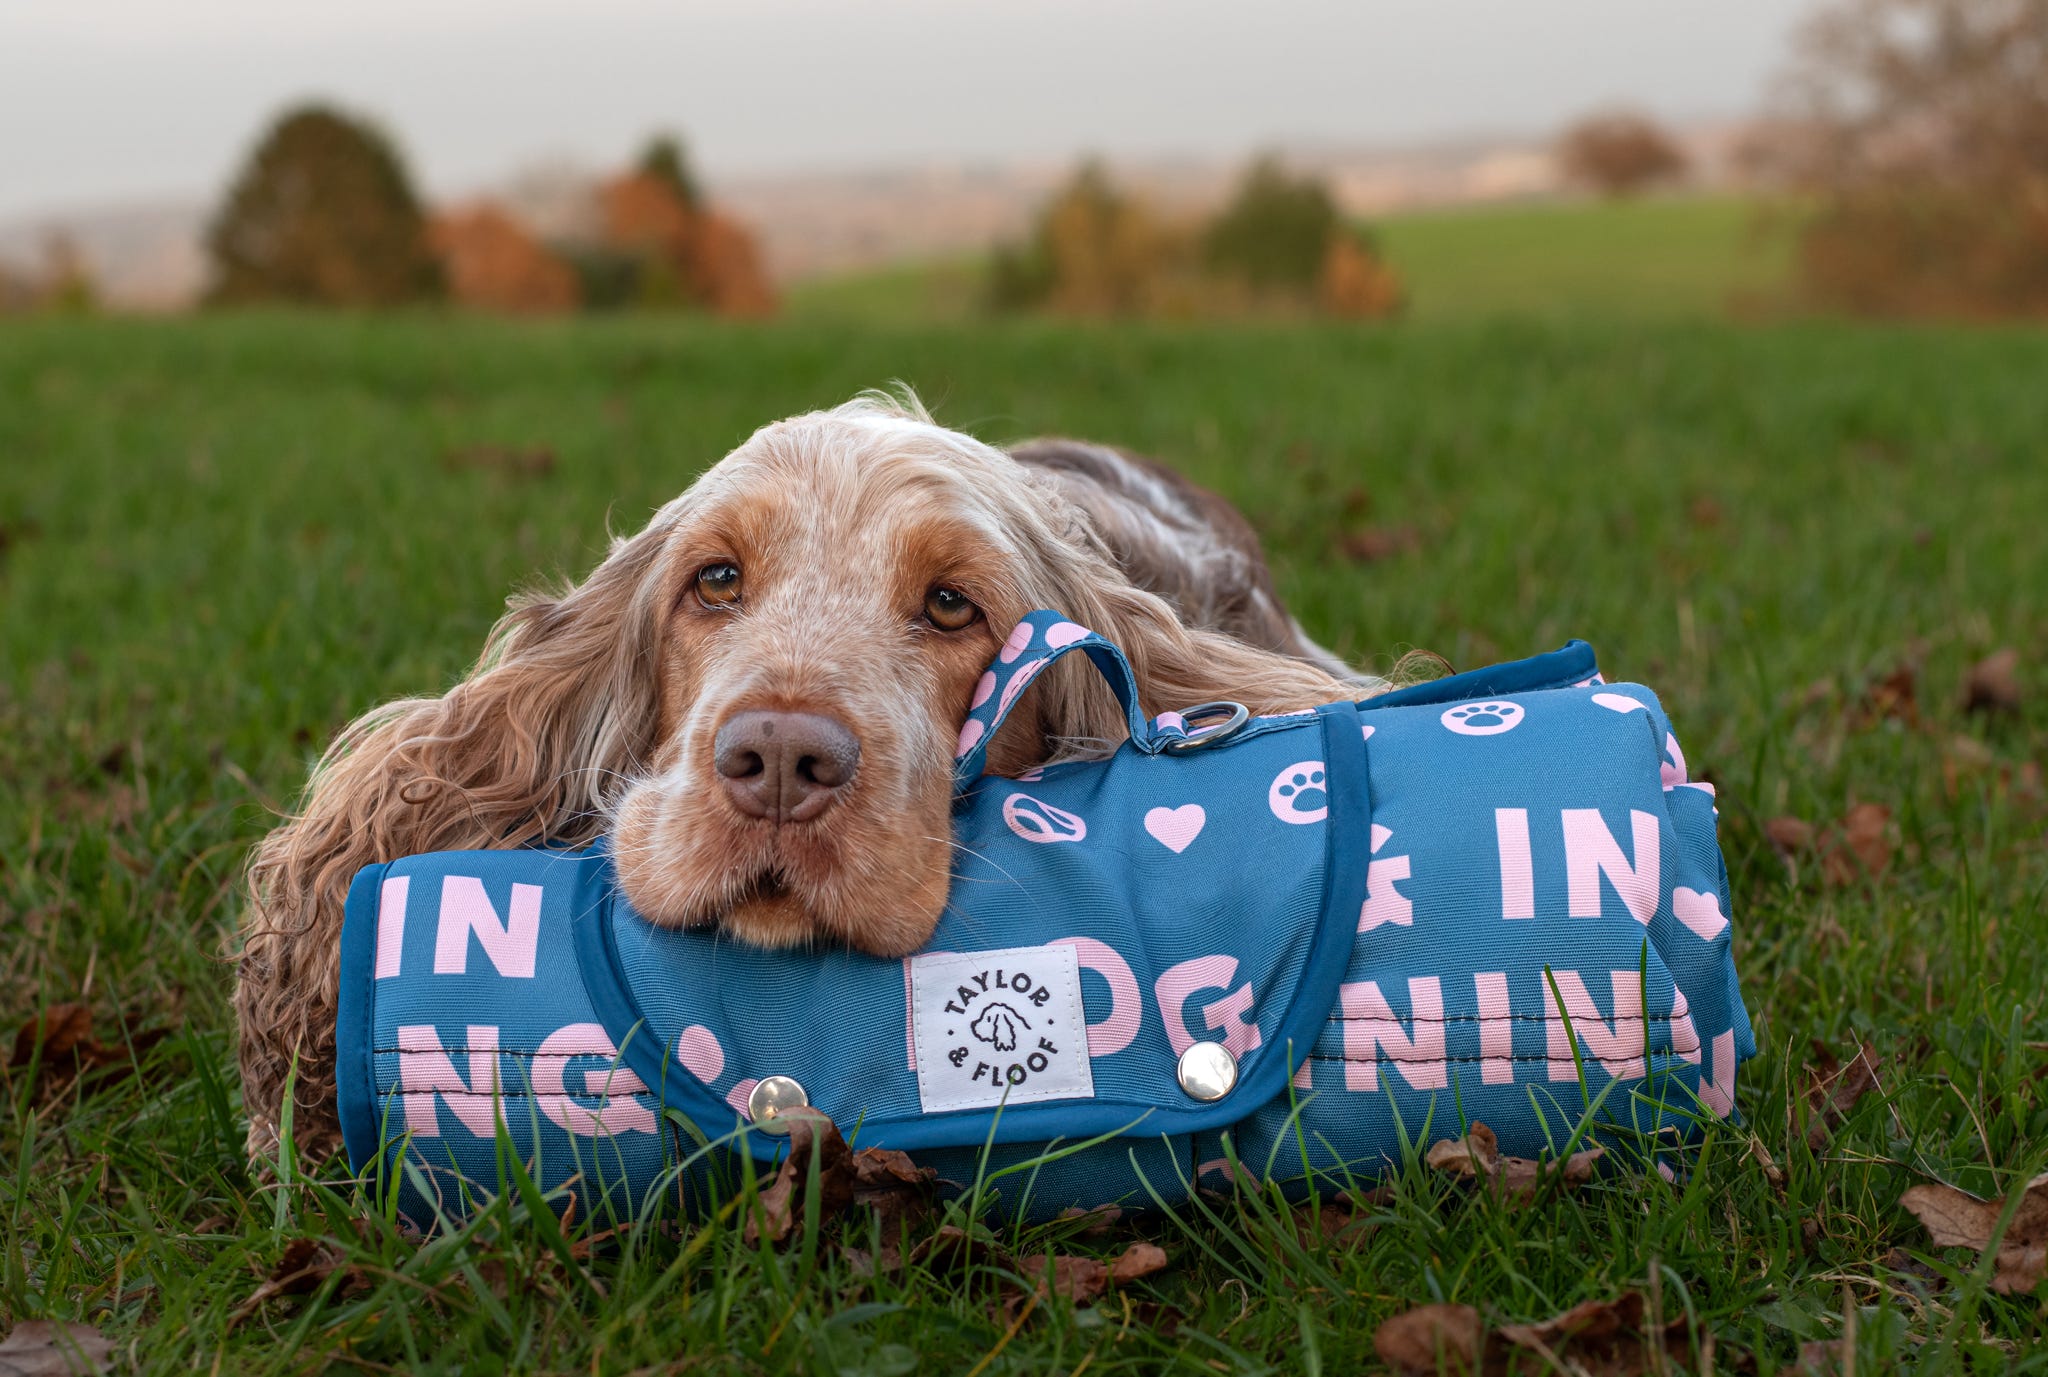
(147, 256)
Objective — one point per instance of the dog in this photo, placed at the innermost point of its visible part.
(758, 695)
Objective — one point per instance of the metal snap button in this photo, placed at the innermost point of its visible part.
(771, 1097)
(1208, 1071)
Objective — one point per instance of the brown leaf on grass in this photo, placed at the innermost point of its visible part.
(1432, 1339)
(518, 461)
(48, 1348)
(1079, 1280)
(1340, 1218)
(1993, 683)
(952, 1249)
(782, 1202)
(1895, 697)
(63, 1035)
(1599, 1338)
(1956, 1219)
(1516, 1180)
(302, 1269)
(1370, 544)
(1817, 1358)
(1789, 836)
(1833, 1090)
(1101, 1219)
(1859, 844)
(61, 1029)
(900, 1193)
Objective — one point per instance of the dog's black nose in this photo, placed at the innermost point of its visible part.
(785, 766)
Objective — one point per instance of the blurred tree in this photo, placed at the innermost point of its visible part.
(678, 255)
(1356, 282)
(1619, 154)
(1923, 141)
(491, 262)
(667, 161)
(322, 214)
(1275, 232)
(67, 284)
(1093, 251)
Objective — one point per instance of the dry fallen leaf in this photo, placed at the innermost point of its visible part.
(1598, 1338)
(48, 1348)
(900, 1193)
(1431, 1339)
(1833, 1089)
(1515, 1179)
(63, 1033)
(1101, 1219)
(1789, 835)
(302, 1268)
(1079, 1280)
(1370, 544)
(1993, 683)
(1859, 844)
(1817, 1358)
(782, 1202)
(953, 1249)
(533, 461)
(1895, 697)
(1957, 1219)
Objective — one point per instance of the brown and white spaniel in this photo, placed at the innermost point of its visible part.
(758, 697)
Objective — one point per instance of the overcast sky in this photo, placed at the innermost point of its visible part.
(110, 100)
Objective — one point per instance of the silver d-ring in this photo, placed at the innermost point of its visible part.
(1237, 716)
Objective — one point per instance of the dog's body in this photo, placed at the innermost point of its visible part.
(758, 695)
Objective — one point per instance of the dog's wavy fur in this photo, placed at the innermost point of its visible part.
(568, 716)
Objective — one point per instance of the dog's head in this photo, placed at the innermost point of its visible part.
(830, 593)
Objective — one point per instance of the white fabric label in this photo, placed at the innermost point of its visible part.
(999, 1027)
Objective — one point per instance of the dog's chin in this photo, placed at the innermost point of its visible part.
(781, 904)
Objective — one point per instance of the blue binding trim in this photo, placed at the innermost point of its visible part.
(640, 1043)
(643, 1051)
(1569, 664)
(354, 1071)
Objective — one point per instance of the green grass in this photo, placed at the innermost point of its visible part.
(224, 538)
(1652, 258)
(1657, 258)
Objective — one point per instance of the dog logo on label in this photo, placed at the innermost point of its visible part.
(1483, 719)
(1041, 822)
(1000, 1025)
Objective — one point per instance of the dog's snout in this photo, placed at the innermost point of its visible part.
(784, 766)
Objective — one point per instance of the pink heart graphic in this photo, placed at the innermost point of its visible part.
(1176, 828)
(1699, 911)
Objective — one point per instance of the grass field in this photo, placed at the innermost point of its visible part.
(1659, 258)
(221, 539)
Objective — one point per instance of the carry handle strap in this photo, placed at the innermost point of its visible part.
(1038, 640)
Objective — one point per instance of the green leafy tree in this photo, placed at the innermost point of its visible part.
(1275, 232)
(322, 214)
(667, 161)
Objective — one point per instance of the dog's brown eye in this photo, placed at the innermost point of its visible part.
(719, 584)
(949, 609)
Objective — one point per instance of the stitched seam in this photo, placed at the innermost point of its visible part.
(1432, 1061)
(1489, 1018)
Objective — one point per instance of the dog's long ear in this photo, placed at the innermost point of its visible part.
(559, 710)
(1071, 711)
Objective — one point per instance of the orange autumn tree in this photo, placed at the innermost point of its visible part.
(493, 264)
(682, 252)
